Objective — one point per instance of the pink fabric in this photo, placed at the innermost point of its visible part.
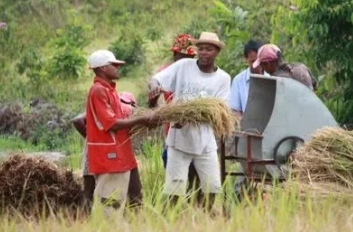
(129, 98)
(266, 53)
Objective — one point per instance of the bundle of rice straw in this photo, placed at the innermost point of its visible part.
(326, 161)
(198, 111)
(32, 186)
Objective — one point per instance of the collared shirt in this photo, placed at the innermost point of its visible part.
(100, 98)
(108, 151)
(240, 90)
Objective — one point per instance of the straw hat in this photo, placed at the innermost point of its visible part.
(210, 38)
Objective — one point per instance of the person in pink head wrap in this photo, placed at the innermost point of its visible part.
(128, 104)
(270, 58)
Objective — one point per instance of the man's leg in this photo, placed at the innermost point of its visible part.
(135, 189)
(207, 167)
(165, 156)
(111, 189)
(89, 183)
(194, 184)
(176, 174)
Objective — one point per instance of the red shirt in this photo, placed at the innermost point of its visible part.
(108, 152)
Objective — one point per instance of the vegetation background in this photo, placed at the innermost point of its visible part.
(43, 53)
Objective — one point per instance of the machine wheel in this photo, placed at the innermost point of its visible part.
(277, 159)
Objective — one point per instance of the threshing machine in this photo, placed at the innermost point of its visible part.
(280, 114)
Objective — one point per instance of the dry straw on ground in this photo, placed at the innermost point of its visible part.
(30, 185)
(198, 111)
(325, 163)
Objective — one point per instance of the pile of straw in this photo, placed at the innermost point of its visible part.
(325, 163)
(195, 112)
(33, 186)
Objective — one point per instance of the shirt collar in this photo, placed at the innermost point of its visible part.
(110, 85)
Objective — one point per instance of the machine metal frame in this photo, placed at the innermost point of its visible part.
(252, 179)
(250, 161)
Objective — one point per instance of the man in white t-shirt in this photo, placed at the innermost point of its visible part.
(187, 79)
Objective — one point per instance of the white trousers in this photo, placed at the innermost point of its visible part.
(206, 165)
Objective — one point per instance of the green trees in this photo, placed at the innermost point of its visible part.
(320, 34)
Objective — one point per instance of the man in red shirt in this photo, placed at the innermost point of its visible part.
(89, 183)
(109, 148)
(181, 48)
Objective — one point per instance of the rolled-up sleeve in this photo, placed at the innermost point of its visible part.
(167, 77)
(103, 113)
(234, 99)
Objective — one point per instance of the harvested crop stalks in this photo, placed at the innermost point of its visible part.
(198, 111)
(33, 185)
(326, 158)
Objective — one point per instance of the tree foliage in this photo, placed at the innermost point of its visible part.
(320, 33)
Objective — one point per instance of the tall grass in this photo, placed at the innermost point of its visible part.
(284, 209)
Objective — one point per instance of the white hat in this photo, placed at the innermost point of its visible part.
(101, 58)
(210, 38)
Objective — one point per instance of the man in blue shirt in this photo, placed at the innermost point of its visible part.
(240, 83)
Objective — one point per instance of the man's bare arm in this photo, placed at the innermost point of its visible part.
(238, 114)
(154, 93)
(80, 125)
(121, 124)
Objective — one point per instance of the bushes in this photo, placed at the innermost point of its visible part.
(42, 123)
(46, 74)
(130, 47)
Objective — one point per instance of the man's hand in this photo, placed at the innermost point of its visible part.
(177, 126)
(151, 120)
(155, 92)
(155, 89)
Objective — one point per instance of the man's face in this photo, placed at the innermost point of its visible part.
(111, 71)
(178, 56)
(250, 59)
(207, 53)
(269, 67)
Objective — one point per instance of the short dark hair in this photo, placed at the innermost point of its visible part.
(252, 45)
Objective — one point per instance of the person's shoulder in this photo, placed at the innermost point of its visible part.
(299, 67)
(163, 67)
(182, 63)
(186, 62)
(223, 76)
(222, 73)
(97, 89)
(241, 76)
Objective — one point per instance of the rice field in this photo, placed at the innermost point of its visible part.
(282, 209)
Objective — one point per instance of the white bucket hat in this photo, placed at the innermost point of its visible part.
(101, 58)
(210, 38)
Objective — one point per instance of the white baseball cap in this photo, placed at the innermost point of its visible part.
(101, 58)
